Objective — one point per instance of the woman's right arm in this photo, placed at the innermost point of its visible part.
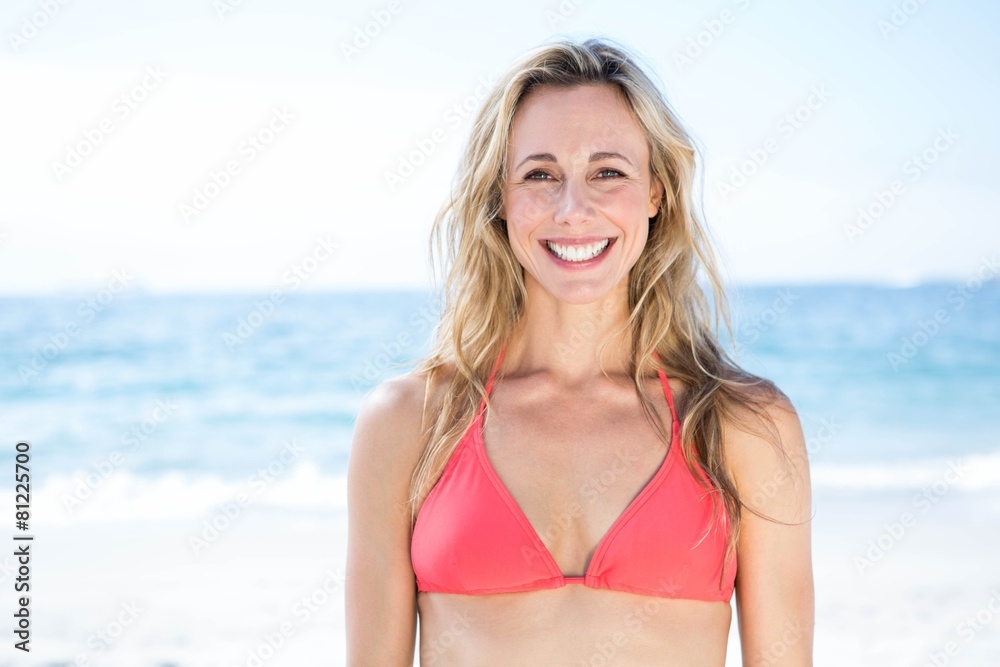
(380, 587)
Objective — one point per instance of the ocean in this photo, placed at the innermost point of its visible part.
(149, 417)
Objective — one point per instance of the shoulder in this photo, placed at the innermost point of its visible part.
(764, 446)
(390, 422)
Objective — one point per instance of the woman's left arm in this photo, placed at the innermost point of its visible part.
(774, 581)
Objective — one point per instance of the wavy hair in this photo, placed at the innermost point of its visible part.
(670, 322)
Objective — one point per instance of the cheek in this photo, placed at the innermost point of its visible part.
(640, 236)
(629, 214)
(518, 233)
(526, 212)
(626, 205)
(530, 206)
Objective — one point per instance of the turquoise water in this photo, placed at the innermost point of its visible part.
(214, 384)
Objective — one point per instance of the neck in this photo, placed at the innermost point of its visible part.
(565, 340)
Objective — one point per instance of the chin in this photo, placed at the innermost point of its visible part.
(580, 295)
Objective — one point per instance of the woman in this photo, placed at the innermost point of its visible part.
(562, 480)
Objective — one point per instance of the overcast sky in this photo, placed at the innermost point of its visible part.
(218, 144)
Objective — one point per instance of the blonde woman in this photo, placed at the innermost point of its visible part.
(577, 473)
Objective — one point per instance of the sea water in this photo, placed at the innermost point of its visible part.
(151, 416)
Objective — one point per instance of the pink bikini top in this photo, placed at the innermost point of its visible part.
(472, 538)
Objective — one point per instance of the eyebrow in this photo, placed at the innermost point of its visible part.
(594, 157)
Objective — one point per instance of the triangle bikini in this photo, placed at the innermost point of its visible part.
(472, 538)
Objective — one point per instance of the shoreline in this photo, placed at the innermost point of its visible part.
(231, 602)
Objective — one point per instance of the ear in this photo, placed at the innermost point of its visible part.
(656, 192)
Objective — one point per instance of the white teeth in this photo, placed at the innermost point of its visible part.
(577, 253)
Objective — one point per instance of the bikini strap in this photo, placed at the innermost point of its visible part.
(666, 388)
(496, 366)
(489, 383)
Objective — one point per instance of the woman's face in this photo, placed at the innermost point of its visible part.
(579, 194)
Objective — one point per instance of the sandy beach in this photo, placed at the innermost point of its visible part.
(268, 588)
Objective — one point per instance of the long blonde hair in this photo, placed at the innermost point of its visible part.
(669, 313)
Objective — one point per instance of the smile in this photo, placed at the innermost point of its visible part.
(578, 253)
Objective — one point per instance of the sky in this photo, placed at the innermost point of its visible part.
(214, 145)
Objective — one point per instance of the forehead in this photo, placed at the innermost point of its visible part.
(575, 120)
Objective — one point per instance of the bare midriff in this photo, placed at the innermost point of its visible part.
(573, 626)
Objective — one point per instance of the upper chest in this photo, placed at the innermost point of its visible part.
(574, 460)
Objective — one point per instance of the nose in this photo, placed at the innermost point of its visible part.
(572, 202)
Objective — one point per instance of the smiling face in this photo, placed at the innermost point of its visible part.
(579, 194)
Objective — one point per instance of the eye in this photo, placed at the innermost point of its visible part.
(614, 172)
(530, 176)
